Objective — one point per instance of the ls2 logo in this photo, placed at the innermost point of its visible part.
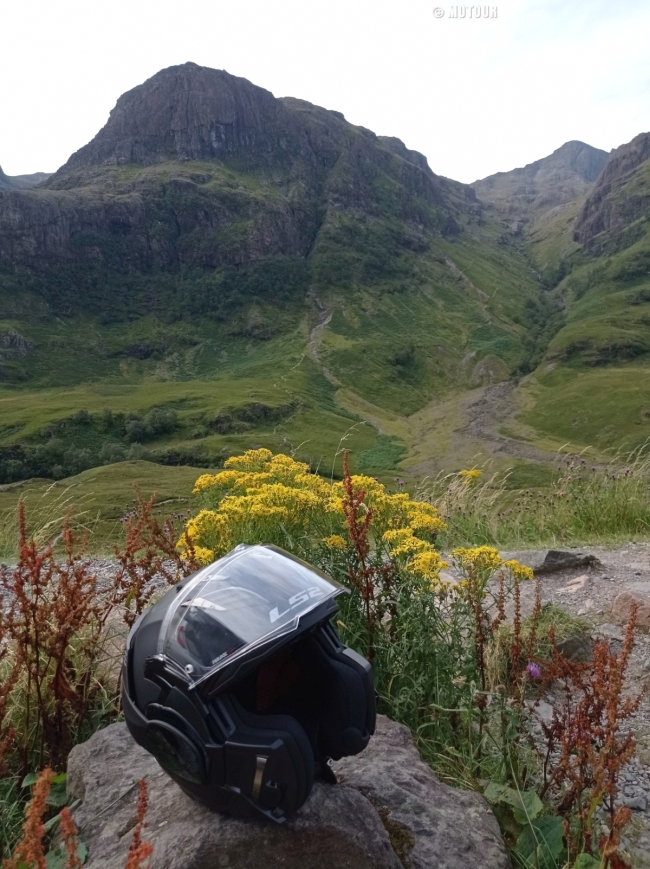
(295, 601)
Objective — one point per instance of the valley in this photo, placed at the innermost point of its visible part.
(220, 269)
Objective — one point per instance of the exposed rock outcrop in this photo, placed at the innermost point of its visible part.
(551, 560)
(617, 200)
(200, 169)
(387, 812)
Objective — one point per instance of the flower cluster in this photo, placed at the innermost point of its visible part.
(264, 498)
(486, 559)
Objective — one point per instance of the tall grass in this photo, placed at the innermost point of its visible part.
(47, 512)
(586, 503)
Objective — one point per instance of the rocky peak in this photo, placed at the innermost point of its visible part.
(555, 180)
(188, 112)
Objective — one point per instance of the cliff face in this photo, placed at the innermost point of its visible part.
(620, 197)
(196, 168)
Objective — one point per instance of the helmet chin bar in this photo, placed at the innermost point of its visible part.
(248, 739)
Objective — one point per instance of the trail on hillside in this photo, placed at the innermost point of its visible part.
(487, 412)
(315, 338)
(443, 433)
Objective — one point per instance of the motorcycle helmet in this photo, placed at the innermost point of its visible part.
(238, 684)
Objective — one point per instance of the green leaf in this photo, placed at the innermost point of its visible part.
(528, 808)
(586, 861)
(57, 796)
(494, 792)
(30, 780)
(51, 824)
(541, 843)
(526, 805)
(58, 859)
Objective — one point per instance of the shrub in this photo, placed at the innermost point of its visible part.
(61, 644)
(30, 852)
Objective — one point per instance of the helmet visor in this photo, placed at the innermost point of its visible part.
(252, 595)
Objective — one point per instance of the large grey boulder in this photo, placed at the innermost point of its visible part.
(388, 811)
(551, 560)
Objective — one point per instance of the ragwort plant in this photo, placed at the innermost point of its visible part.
(447, 660)
(427, 638)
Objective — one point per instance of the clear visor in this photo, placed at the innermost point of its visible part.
(252, 595)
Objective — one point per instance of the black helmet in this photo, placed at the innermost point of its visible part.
(237, 683)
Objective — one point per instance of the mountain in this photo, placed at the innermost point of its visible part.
(261, 267)
(540, 202)
(553, 181)
(591, 383)
(21, 182)
(198, 169)
(220, 268)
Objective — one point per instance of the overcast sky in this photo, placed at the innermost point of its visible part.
(476, 96)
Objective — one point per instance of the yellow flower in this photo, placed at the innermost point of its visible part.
(205, 481)
(250, 461)
(205, 556)
(520, 571)
(261, 497)
(482, 558)
(473, 474)
(335, 541)
(428, 565)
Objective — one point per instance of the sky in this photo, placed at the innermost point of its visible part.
(475, 95)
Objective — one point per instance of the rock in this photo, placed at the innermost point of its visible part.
(577, 647)
(542, 712)
(574, 585)
(646, 665)
(607, 210)
(551, 560)
(445, 576)
(448, 827)
(608, 632)
(638, 804)
(621, 609)
(388, 811)
(588, 605)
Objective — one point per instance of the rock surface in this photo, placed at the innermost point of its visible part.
(545, 184)
(551, 560)
(389, 811)
(618, 197)
(623, 603)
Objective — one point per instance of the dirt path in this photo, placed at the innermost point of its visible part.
(315, 338)
(487, 412)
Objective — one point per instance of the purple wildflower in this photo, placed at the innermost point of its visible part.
(534, 670)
